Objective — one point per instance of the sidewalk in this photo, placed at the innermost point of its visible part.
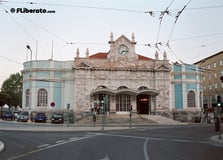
(62, 128)
(217, 141)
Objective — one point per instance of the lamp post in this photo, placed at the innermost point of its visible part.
(30, 77)
(219, 106)
(29, 48)
(219, 115)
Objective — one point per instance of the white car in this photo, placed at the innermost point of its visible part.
(23, 116)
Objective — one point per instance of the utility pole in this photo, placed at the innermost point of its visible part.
(30, 78)
(219, 115)
(219, 106)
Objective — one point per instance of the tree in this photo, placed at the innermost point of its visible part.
(5, 99)
(13, 87)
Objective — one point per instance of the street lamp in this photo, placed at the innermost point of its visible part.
(30, 76)
(29, 48)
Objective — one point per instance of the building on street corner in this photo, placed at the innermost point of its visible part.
(212, 70)
(114, 80)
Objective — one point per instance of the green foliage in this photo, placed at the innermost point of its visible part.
(5, 99)
(11, 91)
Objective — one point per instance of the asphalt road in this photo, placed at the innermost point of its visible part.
(144, 143)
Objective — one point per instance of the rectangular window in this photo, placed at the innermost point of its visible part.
(209, 76)
(27, 98)
(209, 66)
(216, 85)
(209, 87)
(214, 65)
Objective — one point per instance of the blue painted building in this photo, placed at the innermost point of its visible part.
(47, 84)
(186, 87)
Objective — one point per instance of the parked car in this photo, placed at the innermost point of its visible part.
(57, 118)
(23, 116)
(32, 115)
(40, 117)
(7, 115)
(16, 113)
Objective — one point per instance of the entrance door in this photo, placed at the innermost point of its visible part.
(102, 101)
(143, 104)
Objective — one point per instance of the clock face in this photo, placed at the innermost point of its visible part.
(123, 49)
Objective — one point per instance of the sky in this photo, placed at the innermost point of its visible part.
(188, 30)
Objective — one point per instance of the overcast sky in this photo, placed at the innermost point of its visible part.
(189, 30)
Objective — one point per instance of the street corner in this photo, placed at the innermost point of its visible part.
(2, 146)
(217, 141)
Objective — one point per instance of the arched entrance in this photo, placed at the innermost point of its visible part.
(101, 103)
(143, 104)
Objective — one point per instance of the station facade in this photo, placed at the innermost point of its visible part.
(116, 81)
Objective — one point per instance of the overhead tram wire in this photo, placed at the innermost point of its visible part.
(176, 19)
(24, 30)
(79, 6)
(10, 60)
(161, 19)
(105, 8)
(112, 9)
(42, 28)
(49, 32)
(17, 23)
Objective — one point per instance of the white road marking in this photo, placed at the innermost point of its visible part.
(48, 147)
(145, 150)
(61, 141)
(73, 138)
(44, 145)
(154, 138)
(106, 158)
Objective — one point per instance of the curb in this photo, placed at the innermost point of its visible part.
(217, 141)
(2, 146)
(66, 129)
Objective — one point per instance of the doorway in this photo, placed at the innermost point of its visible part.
(143, 104)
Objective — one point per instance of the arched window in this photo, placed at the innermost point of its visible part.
(142, 88)
(42, 98)
(101, 87)
(191, 99)
(122, 87)
(27, 98)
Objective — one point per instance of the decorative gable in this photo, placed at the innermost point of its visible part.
(123, 39)
(163, 67)
(83, 65)
(122, 48)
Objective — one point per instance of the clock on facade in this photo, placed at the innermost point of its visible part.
(123, 49)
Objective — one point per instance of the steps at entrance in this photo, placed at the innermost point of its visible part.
(117, 119)
(161, 120)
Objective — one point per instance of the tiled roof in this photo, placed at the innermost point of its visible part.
(144, 57)
(102, 55)
(99, 55)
